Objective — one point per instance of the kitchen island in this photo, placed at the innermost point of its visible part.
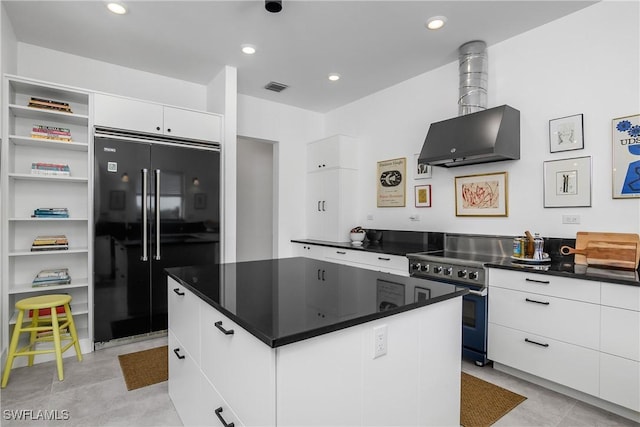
(299, 341)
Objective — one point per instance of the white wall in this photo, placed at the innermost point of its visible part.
(584, 63)
(292, 128)
(101, 76)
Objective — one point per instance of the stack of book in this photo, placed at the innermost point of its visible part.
(50, 243)
(56, 276)
(42, 168)
(49, 104)
(50, 213)
(51, 132)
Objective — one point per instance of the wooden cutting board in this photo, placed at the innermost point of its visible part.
(607, 254)
(584, 237)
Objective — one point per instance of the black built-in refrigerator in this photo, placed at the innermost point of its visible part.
(156, 205)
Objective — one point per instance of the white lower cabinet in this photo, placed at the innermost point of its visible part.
(331, 379)
(581, 334)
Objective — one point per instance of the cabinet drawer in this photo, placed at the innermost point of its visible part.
(308, 251)
(621, 296)
(576, 289)
(184, 317)
(620, 332)
(183, 375)
(565, 320)
(620, 381)
(345, 256)
(386, 263)
(567, 364)
(240, 367)
(216, 411)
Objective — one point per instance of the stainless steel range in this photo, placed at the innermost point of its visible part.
(461, 263)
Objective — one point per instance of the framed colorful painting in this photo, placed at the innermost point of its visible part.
(626, 157)
(423, 196)
(482, 195)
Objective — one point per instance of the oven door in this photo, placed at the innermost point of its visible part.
(474, 326)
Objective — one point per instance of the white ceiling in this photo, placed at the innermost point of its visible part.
(372, 44)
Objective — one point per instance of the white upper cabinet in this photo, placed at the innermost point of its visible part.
(131, 114)
(337, 151)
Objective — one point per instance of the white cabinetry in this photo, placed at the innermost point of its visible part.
(620, 345)
(581, 334)
(535, 327)
(331, 188)
(327, 380)
(131, 114)
(23, 192)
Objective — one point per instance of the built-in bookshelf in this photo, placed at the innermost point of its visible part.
(46, 164)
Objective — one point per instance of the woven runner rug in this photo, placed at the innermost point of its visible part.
(144, 368)
(483, 403)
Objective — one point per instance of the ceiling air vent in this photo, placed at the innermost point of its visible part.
(275, 86)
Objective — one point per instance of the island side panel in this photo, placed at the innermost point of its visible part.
(334, 380)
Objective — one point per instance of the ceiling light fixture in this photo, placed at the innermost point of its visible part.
(436, 22)
(117, 8)
(273, 6)
(334, 77)
(248, 49)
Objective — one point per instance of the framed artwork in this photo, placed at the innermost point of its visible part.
(421, 294)
(626, 157)
(422, 170)
(566, 133)
(423, 196)
(567, 183)
(391, 183)
(482, 195)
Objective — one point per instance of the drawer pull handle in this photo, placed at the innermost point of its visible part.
(341, 252)
(177, 291)
(537, 302)
(319, 275)
(222, 420)
(384, 259)
(218, 325)
(323, 276)
(544, 282)
(176, 350)
(536, 343)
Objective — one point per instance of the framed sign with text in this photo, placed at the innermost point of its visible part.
(391, 183)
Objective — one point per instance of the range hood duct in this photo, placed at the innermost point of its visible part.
(477, 135)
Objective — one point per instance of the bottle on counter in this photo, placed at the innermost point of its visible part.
(518, 247)
(538, 243)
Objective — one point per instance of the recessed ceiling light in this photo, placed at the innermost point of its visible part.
(436, 22)
(117, 8)
(248, 49)
(334, 77)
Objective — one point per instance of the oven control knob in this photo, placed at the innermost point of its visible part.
(425, 268)
(437, 269)
(473, 275)
(415, 266)
(462, 273)
(448, 271)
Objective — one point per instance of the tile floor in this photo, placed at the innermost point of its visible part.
(94, 394)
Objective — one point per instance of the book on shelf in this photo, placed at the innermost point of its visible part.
(49, 104)
(50, 213)
(51, 132)
(52, 277)
(50, 243)
(43, 168)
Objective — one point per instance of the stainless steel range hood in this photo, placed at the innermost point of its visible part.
(485, 136)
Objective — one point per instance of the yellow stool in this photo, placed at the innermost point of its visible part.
(55, 327)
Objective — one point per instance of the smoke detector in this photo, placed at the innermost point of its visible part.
(276, 87)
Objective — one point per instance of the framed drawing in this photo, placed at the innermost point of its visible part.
(391, 183)
(567, 183)
(422, 170)
(626, 157)
(423, 196)
(482, 195)
(566, 133)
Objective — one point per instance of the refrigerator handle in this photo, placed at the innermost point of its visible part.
(157, 255)
(145, 177)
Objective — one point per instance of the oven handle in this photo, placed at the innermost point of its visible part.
(480, 293)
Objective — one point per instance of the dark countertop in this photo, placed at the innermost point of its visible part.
(283, 301)
(560, 265)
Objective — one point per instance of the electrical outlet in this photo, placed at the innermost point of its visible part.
(369, 217)
(571, 219)
(379, 341)
(415, 217)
